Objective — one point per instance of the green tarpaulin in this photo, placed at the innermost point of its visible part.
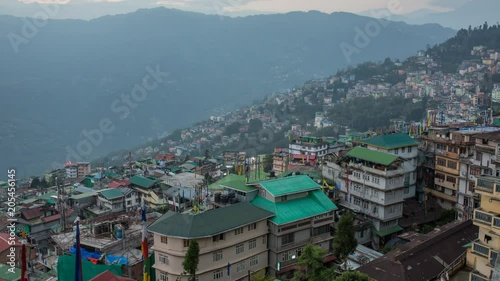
(66, 269)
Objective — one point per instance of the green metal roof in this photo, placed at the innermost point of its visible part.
(296, 209)
(83, 195)
(9, 276)
(372, 155)
(142, 181)
(232, 181)
(390, 141)
(111, 193)
(289, 185)
(388, 231)
(209, 223)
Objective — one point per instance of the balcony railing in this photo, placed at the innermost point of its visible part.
(477, 277)
(481, 250)
(435, 193)
(486, 218)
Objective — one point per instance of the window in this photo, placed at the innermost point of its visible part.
(396, 151)
(164, 239)
(238, 231)
(218, 274)
(406, 190)
(252, 226)
(240, 248)
(409, 149)
(254, 261)
(366, 177)
(264, 240)
(375, 180)
(219, 237)
(240, 267)
(218, 255)
(252, 244)
(479, 156)
(186, 243)
(441, 162)
(474, 171)
(163, 259)
(402, 150)
(321, 230)
(357, 201)
(392, 209)
(163, 276)
(287, 238)
(361, 233)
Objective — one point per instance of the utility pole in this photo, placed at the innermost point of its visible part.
(130, 164)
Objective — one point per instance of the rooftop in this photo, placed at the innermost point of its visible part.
(296, 209)
(372, 156)
(142, 181)
(9, 276)
(232, 181)
(209, 223)
(390, 141)
(423, 258)
(111, 193)
(289, 185)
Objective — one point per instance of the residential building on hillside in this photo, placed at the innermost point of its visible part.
(280, 160)
(402, 146)
(371, 183)
(233, 238)
(71, 170)
(483, 253)
(132, 199)
(150, 190)
(307, 150)
(83, 169)
(234, 160)
(303, 215)
(111, 200)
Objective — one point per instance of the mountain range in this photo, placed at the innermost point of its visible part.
(62, 80)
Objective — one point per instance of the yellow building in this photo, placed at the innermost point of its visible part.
(484, 251)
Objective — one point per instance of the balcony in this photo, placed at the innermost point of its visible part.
(447, 170)
(444, 183)
(441, 195)
(477, 277)
(483, 218)
(447, 154)
(488, 185)
(383, 173)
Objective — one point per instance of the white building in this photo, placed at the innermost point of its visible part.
(71, 170)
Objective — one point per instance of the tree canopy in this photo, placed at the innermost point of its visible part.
(352, 276)
(310, 265)
(192, 259)
(344, 241)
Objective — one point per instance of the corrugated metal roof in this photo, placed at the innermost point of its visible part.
(297, 209)
(372, 156)
(390, 141)
(289, 185)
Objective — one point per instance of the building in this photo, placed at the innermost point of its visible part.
(234, 236)
(234, 160)
(83, 169)
(132, 199)
(307, 151)
(483, 253)
(427, 257)
(150, 190)
(71, 170)
(111, 200)
(402, 146)
(303, 215)
(280, 160)
(5, 250)
(372, 184)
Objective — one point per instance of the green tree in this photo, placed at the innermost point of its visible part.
(192, 259)
(268, 163)
(352, 276)
(261, 276)
(44, 183)
(344, 241)
(310, 265)
(255, 125)
(234, 128)
(35, 183)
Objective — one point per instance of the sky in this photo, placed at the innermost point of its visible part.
(88, 9)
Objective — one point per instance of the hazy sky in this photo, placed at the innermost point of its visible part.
(86, 9)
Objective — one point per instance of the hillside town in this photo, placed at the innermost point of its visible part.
(423, 194)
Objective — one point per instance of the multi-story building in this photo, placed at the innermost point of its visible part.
(303, 215)
(71, 170)
(83, 169)
(371, 183)
(483, 253)
(150, 190)
(232, 240)
(132, 199)
(280, 160)
(402, 146)
(307, 150)
(111, 200)
(234, 160)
